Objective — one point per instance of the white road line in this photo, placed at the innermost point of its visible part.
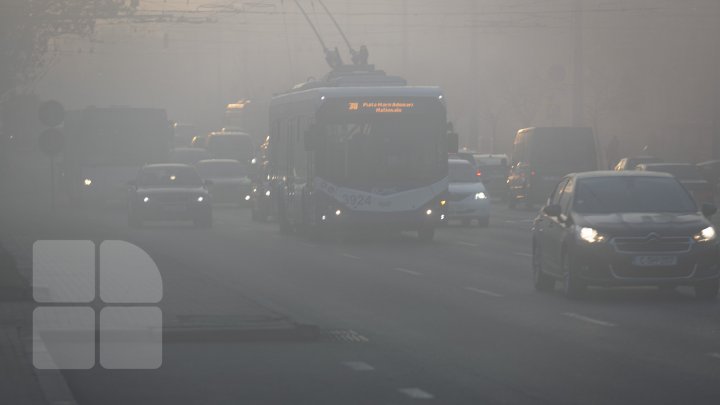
(349, 256)
(406, 271)
(416, 393)
(588, 319)
(714, 355)
(522, 254)
(359, 366)
(466, 244)
(484, 292)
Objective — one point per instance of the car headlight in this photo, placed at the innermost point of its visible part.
(146, 199)
(480, 196)
(590, 235)
(200, 199)
(706, 235)
(88, 182)
(267, 193)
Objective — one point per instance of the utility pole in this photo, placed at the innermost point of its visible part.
(405, 45)
(472, 136)
(578, 91)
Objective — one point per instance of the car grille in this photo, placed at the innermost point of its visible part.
(459, 196)
(630, 271)
(652, 244)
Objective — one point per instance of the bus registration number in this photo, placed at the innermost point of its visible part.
(357, 200)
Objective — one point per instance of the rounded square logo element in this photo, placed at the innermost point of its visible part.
(131, 338)
(64, 271)
(63, 338)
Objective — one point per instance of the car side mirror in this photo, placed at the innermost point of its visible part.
(708, 209)
(552, 210)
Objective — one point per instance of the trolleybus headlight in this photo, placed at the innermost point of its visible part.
(88, 182)
(338, 213)
(247, 198)
(146, 199)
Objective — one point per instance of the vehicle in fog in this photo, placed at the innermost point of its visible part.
(359, 149)
(229, 180)
(183, 133)
(169, 192)
(690, 176)
(493, 169)
(106, 147)
(188, 156)
(231, 145)
(630, 163)
(624, 228)
(467, 199)
(542, 155)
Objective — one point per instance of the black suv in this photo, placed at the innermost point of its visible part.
(624, 228)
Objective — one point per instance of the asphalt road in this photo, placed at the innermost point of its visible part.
(452, 322)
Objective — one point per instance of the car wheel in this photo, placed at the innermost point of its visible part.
(707, 290)
(426, 234)
(541, 280)
(573, 287)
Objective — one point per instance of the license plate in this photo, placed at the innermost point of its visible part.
(653, 261)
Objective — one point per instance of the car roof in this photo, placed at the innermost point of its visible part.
(167, 165)
(666, 164)
(612, 173)
(188, 149)
(459, 161)
(219, 161)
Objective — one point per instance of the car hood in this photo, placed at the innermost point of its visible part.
(465, 188)
(171, 190)
(640, 224)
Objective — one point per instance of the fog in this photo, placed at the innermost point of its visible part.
(649, 69)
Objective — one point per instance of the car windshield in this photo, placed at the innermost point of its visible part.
(644, 194)
(208, 170)
(681, 172)
(461, 172)
(169, 176)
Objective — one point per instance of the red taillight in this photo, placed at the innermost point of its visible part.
(532, 173)
(478, 173)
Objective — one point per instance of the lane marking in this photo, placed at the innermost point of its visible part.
(522, 254)
(349, 256)
(484, 292)
(466, 244)
(359, 366)
(406, 271)
(588, 319)
(714, 355)
(416, 393)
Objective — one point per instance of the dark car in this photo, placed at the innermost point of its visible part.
(629, 163)
(169, 191)
(493, 169)
(689, 175)
(624, 228)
